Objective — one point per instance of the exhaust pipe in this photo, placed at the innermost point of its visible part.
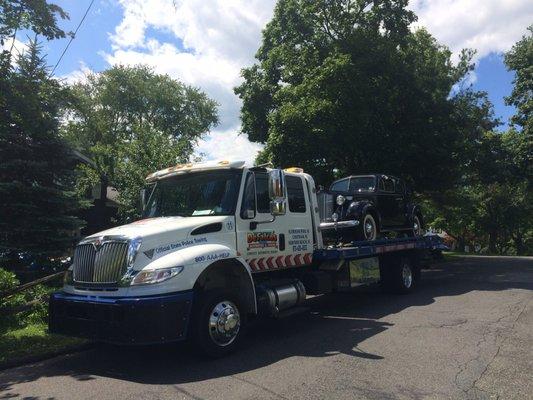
(273, 299)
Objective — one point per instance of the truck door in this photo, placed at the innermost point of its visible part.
(265, 243)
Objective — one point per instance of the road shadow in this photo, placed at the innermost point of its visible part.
(334, 324)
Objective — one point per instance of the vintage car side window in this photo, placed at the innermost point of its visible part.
(261, 190)
(340, 186)
(386, 184)
(295, 192)
(362, 184)
(400, 186)
(248, 198)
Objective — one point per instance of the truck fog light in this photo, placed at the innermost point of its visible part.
(155, 275)
(340, 200)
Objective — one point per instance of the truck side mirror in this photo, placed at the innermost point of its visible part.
(144, 195)
(276, 191)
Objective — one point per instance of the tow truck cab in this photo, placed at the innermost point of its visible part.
(218, 243)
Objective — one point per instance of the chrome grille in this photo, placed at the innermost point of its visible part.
(325, 205)
(104, 264)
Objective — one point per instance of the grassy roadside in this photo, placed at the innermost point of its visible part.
(33, 342)
(452, 255)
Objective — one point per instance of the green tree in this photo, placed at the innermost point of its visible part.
(37, 199)
(346, 86)
(520, 60)
(131, 121)
(37, 16)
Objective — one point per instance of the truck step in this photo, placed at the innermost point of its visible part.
(292, 311)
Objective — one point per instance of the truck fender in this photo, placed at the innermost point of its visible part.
(200, 261)
(359, 208)
(233, 273)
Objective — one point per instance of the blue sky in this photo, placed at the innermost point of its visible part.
(206, 42)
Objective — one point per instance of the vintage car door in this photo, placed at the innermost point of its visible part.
(386, 199)
(401, 203)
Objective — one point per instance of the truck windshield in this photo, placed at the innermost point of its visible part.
(195, 194)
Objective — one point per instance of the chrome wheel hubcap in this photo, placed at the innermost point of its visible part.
(369, 229)
(407, 276)
(416, 226)
(224, 323)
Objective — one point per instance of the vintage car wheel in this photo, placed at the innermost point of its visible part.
(417, 226)
(368, 229)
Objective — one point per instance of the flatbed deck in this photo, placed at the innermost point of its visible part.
(374, 248)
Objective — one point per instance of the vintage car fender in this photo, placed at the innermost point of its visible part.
(358, 208)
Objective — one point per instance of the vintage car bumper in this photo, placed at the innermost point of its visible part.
(339, 224)
(123, 320)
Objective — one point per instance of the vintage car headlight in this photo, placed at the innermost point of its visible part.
(149, 276)
(340, 200)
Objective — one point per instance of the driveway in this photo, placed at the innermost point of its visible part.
(467, 332)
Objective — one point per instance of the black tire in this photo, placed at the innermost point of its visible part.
(208, 339)
(416, 229)
(399, 275)
(363, 232)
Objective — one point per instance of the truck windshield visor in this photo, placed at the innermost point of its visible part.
(195, 194)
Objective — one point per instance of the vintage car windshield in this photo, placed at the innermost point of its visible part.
(362, 184)
(194, 194)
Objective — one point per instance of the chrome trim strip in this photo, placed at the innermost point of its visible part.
(340, 224)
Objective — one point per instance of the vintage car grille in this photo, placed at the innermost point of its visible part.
(325, 205)
(104, 264)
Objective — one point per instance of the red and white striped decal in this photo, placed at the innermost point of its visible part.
(394, 247)
(270, 263)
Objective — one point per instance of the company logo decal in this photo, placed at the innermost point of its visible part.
(149, 253)
(262, 240)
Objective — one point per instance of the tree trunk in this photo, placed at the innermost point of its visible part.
(519, 244)
(492, 241)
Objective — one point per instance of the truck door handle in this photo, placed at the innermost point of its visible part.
(281, 241)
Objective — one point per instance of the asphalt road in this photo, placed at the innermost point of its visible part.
(466, 333)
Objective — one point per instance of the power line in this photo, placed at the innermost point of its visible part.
(72, 37)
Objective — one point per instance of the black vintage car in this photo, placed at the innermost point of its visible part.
(360, 207)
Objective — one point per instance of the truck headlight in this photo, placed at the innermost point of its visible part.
(133, 249)
(149, 276)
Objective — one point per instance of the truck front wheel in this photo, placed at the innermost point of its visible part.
(218, 323)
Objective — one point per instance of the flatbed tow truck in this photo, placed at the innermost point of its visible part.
(219, 244)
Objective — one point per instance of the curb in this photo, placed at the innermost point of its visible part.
(42, 357)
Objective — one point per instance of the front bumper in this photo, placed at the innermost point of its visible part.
(122, 320)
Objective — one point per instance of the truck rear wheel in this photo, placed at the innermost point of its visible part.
(218, 323)
(400, 275)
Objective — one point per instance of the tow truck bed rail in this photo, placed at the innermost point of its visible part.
(374, 248)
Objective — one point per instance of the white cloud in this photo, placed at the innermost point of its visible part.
(489, 26)
(15, 46)
(229, 145)
(76, 76)
(205, 43)
(210, 41)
